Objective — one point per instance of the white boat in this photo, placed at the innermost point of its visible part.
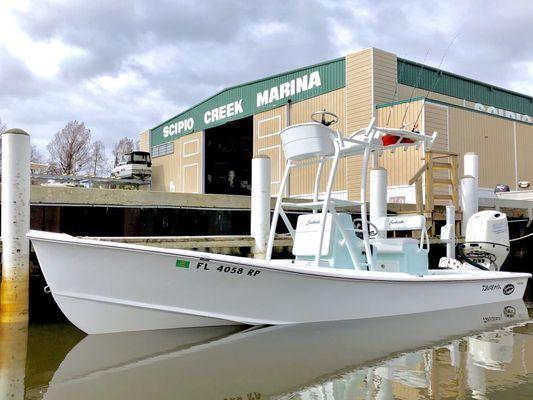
(134, 165)
(284, 361)
(338, 273)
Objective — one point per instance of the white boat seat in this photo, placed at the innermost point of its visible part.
(400, 255)
(334, 251)
(393, 245)
(402, 222)
(303, 141)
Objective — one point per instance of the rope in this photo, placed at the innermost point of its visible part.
(521, 237)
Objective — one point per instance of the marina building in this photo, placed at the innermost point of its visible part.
(209, 147)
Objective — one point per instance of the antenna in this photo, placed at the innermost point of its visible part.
(435, 81)
(414, 88)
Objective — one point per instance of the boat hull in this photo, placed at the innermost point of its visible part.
(110, 287)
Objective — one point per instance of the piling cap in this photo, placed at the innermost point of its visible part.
(16, 131)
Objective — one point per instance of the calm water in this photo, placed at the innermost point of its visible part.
(476, 353)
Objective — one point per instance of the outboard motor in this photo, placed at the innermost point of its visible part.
(486, 240)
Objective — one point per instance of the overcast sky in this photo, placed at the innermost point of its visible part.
(123, 66)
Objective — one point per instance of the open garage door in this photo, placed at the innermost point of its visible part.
(228, 157)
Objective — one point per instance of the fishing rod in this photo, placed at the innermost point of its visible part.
(435, 81)
(414, 88)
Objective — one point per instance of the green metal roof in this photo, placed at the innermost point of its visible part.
(447, 83)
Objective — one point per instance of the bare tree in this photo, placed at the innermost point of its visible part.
(98, 159)
(123, 146)
(70, 149)
(36, 155)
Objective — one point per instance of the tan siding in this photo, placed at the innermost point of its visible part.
(191, 163)
(182, 170)
(406, 92)
(267, 142)
(401, 165)
(358, 109)
(144, 141)
(302, 179)
(488, 136)
(385, 66)
(436, 120)
(524, 150)
(166, 170)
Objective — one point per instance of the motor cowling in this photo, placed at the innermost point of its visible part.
(487, 239)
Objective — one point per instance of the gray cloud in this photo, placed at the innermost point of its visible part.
(173, 54)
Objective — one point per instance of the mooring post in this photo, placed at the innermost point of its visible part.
(469, 189)
(15, 226)
(15, 262)
(260, 205)
(471, 165)
(378, 196)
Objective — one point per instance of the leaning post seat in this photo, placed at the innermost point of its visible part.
(335, 251)
(307, 140)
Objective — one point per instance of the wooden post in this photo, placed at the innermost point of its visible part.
(455, 181)
(430, 202)
(419, 196)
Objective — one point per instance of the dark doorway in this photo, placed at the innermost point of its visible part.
(228, 157)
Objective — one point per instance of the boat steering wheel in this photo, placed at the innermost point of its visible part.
(358, 222)
(323, 113)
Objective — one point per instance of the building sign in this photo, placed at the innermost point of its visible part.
(245, 100)
(288, 89)
(503, 113)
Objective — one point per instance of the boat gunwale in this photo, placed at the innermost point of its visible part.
(321, 272)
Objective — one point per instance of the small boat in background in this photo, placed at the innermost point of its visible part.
(339, 271)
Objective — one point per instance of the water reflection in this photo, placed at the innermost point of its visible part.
(468, 353)
(13, 348)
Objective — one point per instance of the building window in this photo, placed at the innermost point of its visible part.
(162, 149)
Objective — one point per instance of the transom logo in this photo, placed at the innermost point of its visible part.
(508, 289)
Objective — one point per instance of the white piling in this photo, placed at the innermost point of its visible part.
(469, 200)
(378, 196)
(471, 166)
(450, 222)
(15, 225)
(469, 189)
(260, 206)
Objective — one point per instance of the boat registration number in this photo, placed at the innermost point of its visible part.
(206, 265)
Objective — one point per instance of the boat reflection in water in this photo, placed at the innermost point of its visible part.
(435, 355)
